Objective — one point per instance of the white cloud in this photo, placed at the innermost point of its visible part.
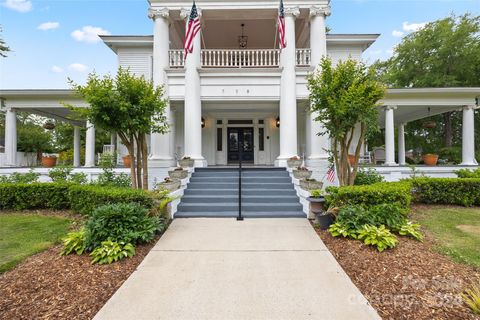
(18, 5)
(410, 27)
(48, 25)
(89, 34)
(78, 67)
(57, 69)
(397, 33)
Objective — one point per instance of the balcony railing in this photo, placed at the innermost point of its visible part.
(227, 58)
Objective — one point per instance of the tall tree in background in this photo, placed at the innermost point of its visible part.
(3, 46)
(445, 53)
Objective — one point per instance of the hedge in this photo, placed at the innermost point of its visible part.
(371, 195)
(20, 196)
(85, 198)
(465, 192)
(80, 198)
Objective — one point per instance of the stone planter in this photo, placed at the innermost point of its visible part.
(186, 163)
(293, 163)
(324, 220)
(178, 174)
(171, 185)
(310, 184)
(49, 161)
(302, 174)
(317, 204)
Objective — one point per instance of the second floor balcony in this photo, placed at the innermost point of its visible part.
(239, 58)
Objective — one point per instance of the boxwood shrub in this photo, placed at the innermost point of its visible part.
(454, 191)
(86, 198)
(21, 196)
(371, 195)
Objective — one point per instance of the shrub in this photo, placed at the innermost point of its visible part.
(472, 299)
(379, 237)
(74, 242)
(109, 179)
(466, 173)
(452, 191)
(371, 195)
(337, 229)
(451, 154)
(352, 217)
(411, 229)
(111, 251)
(121, 222)
(367, 177)
(60, 173)
(21, 196)
(86, 198)
(17, 177)
(390, 215)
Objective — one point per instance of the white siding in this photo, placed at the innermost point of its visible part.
(138, 60)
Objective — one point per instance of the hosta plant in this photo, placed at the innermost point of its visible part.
(110, 251)
(411, 229)
(338, 229)
(74, 242)
(472, 299)
(379, 237)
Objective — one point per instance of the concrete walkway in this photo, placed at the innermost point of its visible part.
(224, 269)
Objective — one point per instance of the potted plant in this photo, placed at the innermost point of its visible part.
(430, 158)
(170, 184)
(178, 173)
(186, 162)
(310, 184)
(49, 161)
(351, 159)
(317, 208)
(302, 173)
(294, 162)
(127, 161)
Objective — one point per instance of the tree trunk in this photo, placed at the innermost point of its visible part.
(144, 161)
(139, 164)
(133, 175)
(448, 129)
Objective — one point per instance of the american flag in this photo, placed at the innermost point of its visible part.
(281, 26)
(331, 174)
(192, 29)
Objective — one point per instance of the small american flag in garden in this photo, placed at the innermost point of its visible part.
(192, 29)
(281, 26)
(331, 174)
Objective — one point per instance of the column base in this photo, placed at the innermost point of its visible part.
(157, 162)
(470, 163)
(390, 164)
(200, 163)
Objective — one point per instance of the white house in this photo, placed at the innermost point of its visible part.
(237, 86)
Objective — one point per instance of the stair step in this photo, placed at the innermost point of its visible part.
(246, 206)
(244, 179)
(266, 192)
(234, 198)
(234, 214)
(227, 185)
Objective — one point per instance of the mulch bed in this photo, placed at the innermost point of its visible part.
(412, 281)
(50, 286)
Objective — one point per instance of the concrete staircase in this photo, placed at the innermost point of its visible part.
(266, 192)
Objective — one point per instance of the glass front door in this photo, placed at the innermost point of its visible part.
(240, 137)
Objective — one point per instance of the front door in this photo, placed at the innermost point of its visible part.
(237, 137)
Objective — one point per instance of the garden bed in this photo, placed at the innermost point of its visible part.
(411, 281)
(51, 286)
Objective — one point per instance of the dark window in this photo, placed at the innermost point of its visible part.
(240, 121)
(219, 139)
(261, 134)
(261, 121)
(219, 122)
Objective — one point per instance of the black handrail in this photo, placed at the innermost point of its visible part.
(240, 155)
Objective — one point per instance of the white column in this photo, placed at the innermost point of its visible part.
(113, 141)
(76, 146)
(401, 144)
(161, 155)
(11, 137)
(288, 92)
(90, 146)
(193, 103)
(389, 136)
(319, 144)
(468, 137)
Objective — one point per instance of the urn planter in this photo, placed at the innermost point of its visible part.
(186, 162)
(171, 185)
(178, 174)
(49, 161)
(310, 184)
(317, 204)
(293, 163)
(302, 174)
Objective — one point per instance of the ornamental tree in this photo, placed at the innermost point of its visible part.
(344, 99)
(130, 106)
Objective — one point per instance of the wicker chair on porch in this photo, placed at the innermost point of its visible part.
(378, 155)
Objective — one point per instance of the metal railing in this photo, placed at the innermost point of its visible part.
(240, 156)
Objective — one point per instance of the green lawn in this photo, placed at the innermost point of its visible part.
(24, 235)
(456, 229)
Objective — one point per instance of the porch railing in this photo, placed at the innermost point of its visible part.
(245, 58)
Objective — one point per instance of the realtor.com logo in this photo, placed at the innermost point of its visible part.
(414, 292)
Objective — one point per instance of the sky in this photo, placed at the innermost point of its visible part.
(54, 40)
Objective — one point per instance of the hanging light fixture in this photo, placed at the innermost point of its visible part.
(203, 122)
(243, 39)
(277, 122)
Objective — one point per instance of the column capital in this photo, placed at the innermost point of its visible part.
(390, 107)
(320, 11)
(185, 13)
(158, 13)
(472, 107)
(292, 11)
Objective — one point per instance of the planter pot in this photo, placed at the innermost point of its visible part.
(49, 162)
(316, 204)
(311, 185)
(171, 186)
(294, 163)
(430, 159)
(324, 220)
(302, 174)
(186, 163)
(351, 159)
(177, 174)
(127, 161)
